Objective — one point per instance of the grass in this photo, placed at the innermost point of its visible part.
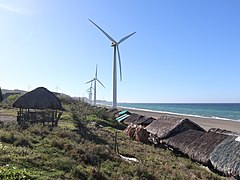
(82, 147)
(8, 112)
(48, 153)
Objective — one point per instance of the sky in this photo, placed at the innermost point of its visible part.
(183, 51)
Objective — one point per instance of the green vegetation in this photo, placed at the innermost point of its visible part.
(82, 147)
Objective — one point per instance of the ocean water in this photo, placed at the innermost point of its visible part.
(225, 111)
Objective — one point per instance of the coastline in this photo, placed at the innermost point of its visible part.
(205, 122)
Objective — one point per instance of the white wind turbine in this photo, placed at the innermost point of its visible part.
(95, 80)
(115, 48)
(89, 90)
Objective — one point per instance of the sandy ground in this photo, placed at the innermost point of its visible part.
(7, 119)
(206, 123)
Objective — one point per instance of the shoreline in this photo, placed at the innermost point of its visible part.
(205, 122)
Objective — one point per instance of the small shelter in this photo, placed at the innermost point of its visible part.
(39, 105)
(200, 149)
(138, 120)
(180, 141)
(130, 119)
(226, 157)
(113, 112)
(167, 126)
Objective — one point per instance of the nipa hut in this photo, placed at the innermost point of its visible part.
(200, 149)
(39, 105)
(226, 157)
(180, 141)
(113, 110)
(167, 126)
(138, 120)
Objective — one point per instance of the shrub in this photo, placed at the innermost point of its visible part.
(23, 142)
(13, 173)
(7, 137)
(79, 172)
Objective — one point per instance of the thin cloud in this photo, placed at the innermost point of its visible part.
(12, 9)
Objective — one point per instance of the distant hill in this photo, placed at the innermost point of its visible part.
(5, 91)
(18, 91)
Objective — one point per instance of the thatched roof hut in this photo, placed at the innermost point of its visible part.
(226, 157)
(130, 119)
(138, 120)
(39, 98)
(180, 141)
(200, 149)
(144, 120)
(167, 126)
(113, 110)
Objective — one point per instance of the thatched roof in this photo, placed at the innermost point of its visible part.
(137, 119)
(226, 157)
(144, 120)
(39, 98)
(113, 111)
(130, 119)
(200, 149)
(167, 126)
(180, 141)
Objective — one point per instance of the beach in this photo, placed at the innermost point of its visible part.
(206, 123)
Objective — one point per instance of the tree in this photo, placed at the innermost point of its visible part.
(1, 95)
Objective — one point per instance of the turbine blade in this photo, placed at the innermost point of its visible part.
(109, 37)
(89, 81)
(101, 83)
(119, 60)
(96, 72)
(123, 39)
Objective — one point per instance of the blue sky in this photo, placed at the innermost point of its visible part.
(183, 51)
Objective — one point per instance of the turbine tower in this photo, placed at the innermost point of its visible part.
(95, 80)
(89, 90)
(115, 51)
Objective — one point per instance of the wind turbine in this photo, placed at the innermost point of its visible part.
(89, 90)
(95, 80)
(115, 50)
(29, 87)
(57, 88)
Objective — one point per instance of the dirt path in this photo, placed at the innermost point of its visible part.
(7, 119)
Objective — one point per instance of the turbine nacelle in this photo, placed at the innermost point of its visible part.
(114, 44)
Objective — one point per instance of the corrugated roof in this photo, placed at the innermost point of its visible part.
(123, 112)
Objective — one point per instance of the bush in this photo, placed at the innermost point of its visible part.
(12, 98)
(7, 137)
(23, 142)
(79, 172)
(13, 173)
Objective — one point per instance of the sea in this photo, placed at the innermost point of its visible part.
(223, 111)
